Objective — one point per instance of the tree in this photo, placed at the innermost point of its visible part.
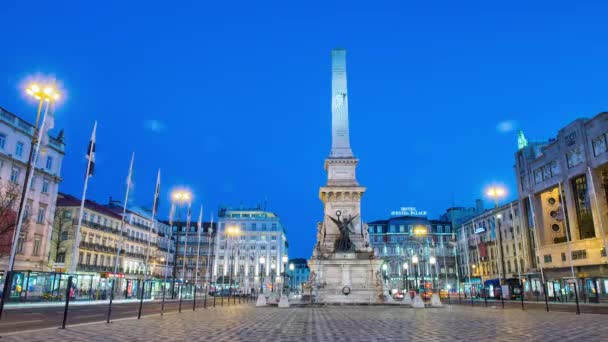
(62, 221)
(9, 204)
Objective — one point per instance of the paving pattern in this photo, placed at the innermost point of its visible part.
(338, 323)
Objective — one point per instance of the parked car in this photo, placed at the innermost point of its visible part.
(398, 296)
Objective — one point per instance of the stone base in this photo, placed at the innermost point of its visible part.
(283, 302)
(407, 300)
(417, 303)
(435, 301)
(347, 278)
(261, 300)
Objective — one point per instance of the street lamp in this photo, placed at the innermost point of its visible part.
(231, 232)
(284, 258)
(291, 268)
(405, 273)
(415, 262)
(272, 274)
(433, 261)
(181, 196)
(47, 93)
(496, 193)
(262, 261)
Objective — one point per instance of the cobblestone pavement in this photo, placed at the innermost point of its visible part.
(335, 323)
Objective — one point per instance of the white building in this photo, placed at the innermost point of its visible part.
(257, 249)
(33, 243)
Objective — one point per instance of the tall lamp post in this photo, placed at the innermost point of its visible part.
(284, 259)
(496, 193)
(433, 262)
(406, 275)
(415, 262)
(291, 268)
(44, 94)
(180, 197)
(262, 261)
(272, 275)
(232, 232)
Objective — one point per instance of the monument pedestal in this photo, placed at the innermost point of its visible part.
(347, 278)
(283, 302)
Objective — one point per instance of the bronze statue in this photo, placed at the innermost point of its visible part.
(343, 243)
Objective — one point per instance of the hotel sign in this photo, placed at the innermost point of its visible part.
(479, 230)
(408, 211)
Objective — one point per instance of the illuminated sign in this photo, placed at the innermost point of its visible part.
(479, 230)
(408, 211)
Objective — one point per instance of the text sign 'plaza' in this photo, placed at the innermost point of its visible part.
(408, 211)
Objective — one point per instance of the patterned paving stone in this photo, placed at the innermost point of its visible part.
(334, 323)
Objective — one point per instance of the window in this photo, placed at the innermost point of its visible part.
(45, 186)
(95, 259)
(392, 228)
(402, 228)
(49, 162)
(88, 260)
(580, 254)
(563, 256)
(599, 145)
(41, 214)
(547, 258)
(80, 256)
(37, 241)
(60, 257)
(2, 140)
(19, 149)
(15, 172)
(102, 260)
(574, 157)
(28, 208)
(20, 243)
(63, 236)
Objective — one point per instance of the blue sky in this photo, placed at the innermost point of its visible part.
(233, 98)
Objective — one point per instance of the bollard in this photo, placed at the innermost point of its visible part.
(485, 296)
(67, 302)
(194, 300)
(546, 299)
(578, 310)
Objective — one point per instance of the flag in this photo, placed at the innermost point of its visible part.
(200, 221)
(91, 153)
(47, 125)
(130, 176)
(157, 192)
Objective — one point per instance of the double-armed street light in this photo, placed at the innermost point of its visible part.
(47, 93)
(406, 275)
(284, 259)
(181, 197)
(496, 193)
(262, 262)
(291, 268)
(415, 262)
(233, 233)
(433, 262)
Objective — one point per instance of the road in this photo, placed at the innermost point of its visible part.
(535, 306)
(19, 319)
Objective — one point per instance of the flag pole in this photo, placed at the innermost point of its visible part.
(82, 200)
(120, 236)
(198, 253)
(171, 211)
(152, 230)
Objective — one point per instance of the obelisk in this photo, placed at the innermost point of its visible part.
(343, 267)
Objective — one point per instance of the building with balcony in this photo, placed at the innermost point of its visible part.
(255, 254)
(494, 246)
(563, 192)
(191, 245)
(417, 252)
(100, 238)
(34, 240)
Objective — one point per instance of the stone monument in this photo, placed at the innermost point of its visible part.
(343, 266)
